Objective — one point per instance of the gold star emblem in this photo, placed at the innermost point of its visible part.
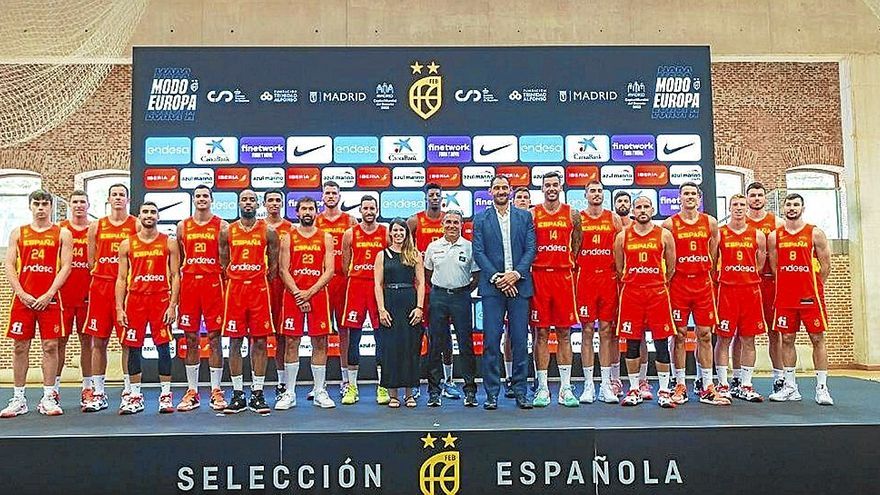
(428, 441)
(449, 440)
(432, 67)
(416, 67)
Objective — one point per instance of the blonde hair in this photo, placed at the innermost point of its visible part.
(409, 255)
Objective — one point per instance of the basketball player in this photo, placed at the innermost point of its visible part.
(644, 255)
(522, 199)
(201, 296)
(426, 227)
(801, 260)
(766, 222)
(597, 292)
(335, 222)
(147, 289)
(306, 260)
(75, 292)
(558, 234)
(622, 207)
(741, 255)
(37, 264)
(360, 245)
(273, 200)
(105, 236)
(691, 292)
(249, 255)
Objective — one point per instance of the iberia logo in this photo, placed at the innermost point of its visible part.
(581, 175)
(518, 175)
(440, 474)
(426, 94)
(303, 177)
(373, 177)
(445, 176)
(161, 178)
(232, 178)
(651, 175)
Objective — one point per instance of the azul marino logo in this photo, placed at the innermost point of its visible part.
(426, 93)
(173, 95)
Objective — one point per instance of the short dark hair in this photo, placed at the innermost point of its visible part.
(330, 183)
(118, 184)
(148, 203)
(432, 185)
(204, 186)
(794, 196)
(274, 191)
(521, 189)
(690, 184)
(306, 199)
(40, 195)
(550, 175)
(367, 197)
(499, 176)
(622, 193)
(79, 192)
(756, 185)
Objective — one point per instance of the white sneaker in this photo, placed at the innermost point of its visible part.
(322, 399)
(786, 393)
(166, 403)
(589, 394)
(566, 398)
(49, 406)
(123, 403)
(132, 404)
(823, 396)
(607, 395)
(311, 395)
(285, 401)
(16, 407)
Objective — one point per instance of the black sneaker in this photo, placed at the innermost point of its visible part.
(778, 384)
(698, 386)
(258, 403)
(280, 389)
(470, 399)
(508, 389)
(434, 400)
(237, 404)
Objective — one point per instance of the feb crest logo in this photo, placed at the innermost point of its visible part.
(426, 93)
(440, 474)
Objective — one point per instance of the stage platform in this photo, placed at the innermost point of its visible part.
(774, 448)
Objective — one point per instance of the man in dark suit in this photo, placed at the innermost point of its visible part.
(504, 248)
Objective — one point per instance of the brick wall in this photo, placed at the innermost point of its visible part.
(768, 117)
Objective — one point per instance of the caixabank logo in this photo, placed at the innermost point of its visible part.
(173, 95)
(440, 474)
(426, 93)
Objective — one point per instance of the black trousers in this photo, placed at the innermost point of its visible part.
(443, 308)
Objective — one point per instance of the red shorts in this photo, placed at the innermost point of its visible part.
(645, 307)
(360, 301)
(553, 304)
(276, 300)
(74, 318)
(597, 297)
(768, 295)
(740, 311)
(814, 318)
(336, 295)
(23, 321)
(246, 311)
(143, 310)
(201, 296)
(293, 321)
(101, 317)
(693, 294)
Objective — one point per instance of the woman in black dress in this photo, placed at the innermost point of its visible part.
(400, 295)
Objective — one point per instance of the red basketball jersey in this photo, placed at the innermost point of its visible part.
(306, 257)
(427, 230)
(737, 256)
(692, 245)
(77, 284)
(38, 258)
(364, 248)
(201, 246)
(797, 269)
(644, 265)
(765, 225)
(597, 243)
(108, 237)
(336, 229)
(553, 234)
(247, 251)
(148, 265)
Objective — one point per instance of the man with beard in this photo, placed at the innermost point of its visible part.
(335, 222)
(558, 237)
(622, 205)
(273, 200)
(360, 245)
(644, 255)
(249, 254)
(306, 266)
(801, 260)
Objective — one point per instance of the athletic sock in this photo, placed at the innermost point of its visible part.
(87, 382)
(722, 375)
(542, 378)
(664, 379)
(379, 374)
(237, 383)
(706, 376)
(615, 371)
(18, 392)
(165, 386)
(679, 377)
(822, 378)
(257, 383)
(192, 376)
(126, 383)
(57, 385)
(789, 376)
(747, 375)
(319, 375)
(699, 370)
(353, 377)
(136, 389)
(99, 384)
(737, 374)
(216, 376)
(291, 370)
(47, 391)
(447, 371)
(634, 381)
(777, 374)
(606, 375)
(282, 375)
(588, 374)
(643, 371)
(564, 377)
(508, 368)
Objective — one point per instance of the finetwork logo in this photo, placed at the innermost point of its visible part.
(670, 202)
(173, 95)
(309, 150)
(215, 150)
(293, 198)
(190, 178)
(167, 150)
(541, 149)
(632, 148)
(356, 149)
(426, 93)
(679, 147)
(495, 149)
(676, 93)
(587, 148)
(482, 201)
(449, 149)
(402, 149)
(401, 203)
(261, 150)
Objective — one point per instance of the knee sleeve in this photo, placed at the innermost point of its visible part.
(134, 361)
(164, 359)
(354, 346)
(661, 347)
(632, 349)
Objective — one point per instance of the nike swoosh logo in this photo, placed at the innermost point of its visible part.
(485, 152)
(172, 205)
(346, 207)
(297, 152)
(669, 151)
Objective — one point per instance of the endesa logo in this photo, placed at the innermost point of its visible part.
(167, 150)
(651, 175)
(518, 175)
(444, 176)
(374, 177)
(232, 178)
(401, 203)
(355, 149)
(160, 178)
(303, 177)
(225, 205)
(541, 149)
(580, 175)
(190, 178)
(539, 171)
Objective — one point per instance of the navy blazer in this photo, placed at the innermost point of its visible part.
(489, 249)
